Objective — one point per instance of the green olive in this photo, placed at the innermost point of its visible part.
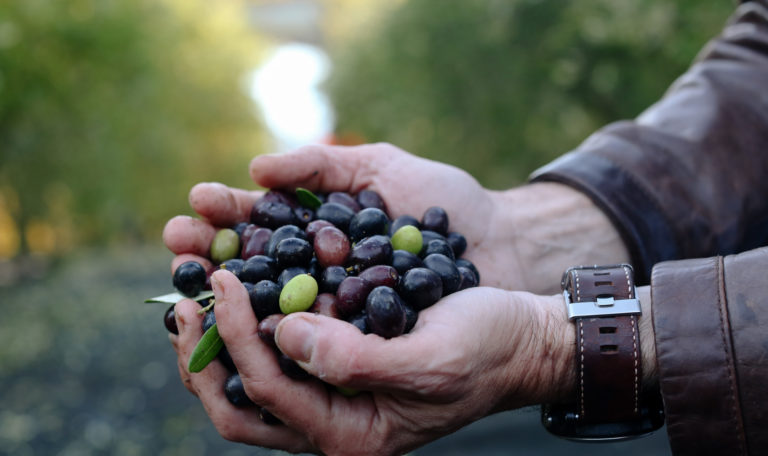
(407, 238)
(225, 245)
(298, 294)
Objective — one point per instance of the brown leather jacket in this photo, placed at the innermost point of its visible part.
(689, 179)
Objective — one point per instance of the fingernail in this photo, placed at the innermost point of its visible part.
(296, 338)
(216, 285)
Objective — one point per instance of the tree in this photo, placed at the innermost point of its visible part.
(111, 109)
(501, 87)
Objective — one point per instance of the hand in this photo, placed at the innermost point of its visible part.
(519, 239)
(475, 352)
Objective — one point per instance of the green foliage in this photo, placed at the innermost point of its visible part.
(110, 110)
(501, 87)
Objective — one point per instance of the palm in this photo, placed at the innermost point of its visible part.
(408, 184)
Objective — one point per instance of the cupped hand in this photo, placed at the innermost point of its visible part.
(473, 353)
(408, 185)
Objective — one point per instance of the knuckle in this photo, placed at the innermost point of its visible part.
(389, 147)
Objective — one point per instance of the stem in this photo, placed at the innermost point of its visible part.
(207, 308)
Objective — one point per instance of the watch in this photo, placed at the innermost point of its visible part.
(610, 402)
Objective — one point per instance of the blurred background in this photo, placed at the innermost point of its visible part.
(110, 110)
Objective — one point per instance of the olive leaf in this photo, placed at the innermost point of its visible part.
(173, 298)
(205, 350)
(308, 199)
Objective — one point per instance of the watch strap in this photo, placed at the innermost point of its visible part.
(608, 348)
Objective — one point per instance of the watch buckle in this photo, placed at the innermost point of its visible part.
(602, 306)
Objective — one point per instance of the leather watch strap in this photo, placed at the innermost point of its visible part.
(608, 348)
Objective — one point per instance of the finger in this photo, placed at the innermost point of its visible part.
(184, 234)
(222, 205)
(330, 168)
(300, 404)
(185, 257)
(237, 424)
(183, 373)
(340, 354)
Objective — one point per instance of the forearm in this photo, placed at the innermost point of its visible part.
(686, 178)
(545, 228)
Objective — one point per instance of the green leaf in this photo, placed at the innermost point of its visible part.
(173, 298)
(206, 349)
(308, 199)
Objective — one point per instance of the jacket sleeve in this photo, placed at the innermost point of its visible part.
(710, 317)
(689, 177)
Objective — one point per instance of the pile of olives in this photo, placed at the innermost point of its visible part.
(334, 254)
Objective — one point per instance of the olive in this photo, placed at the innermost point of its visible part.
(371, 251)
(225, 245)
(189, 278)
(336, 213)
(169, 319)
(235, 392)
(435, 219)
(298, 294)
(272, 215)
(368, 222)
(457, 242)
(407, 238)
(421, 287)
(369, 198)
(446, 269)
(403, 220)
(257, 268)
(468, 278)
(345, 199)
(235, 266)
(291, 368)
(267, 327)
(404, 261)
(468, 264)
(385, 312)
(438, 246)
(265, 298)
(284, 232)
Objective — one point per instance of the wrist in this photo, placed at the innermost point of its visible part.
(612, 397)
(549, 227)
(647, 340)
(559, 343)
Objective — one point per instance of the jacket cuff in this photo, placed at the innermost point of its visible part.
(695, 355)
(640, 223)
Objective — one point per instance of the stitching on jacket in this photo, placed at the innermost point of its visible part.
(720, 292)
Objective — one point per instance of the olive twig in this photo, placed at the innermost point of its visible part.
(207, 308)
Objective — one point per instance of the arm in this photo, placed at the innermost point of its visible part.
(687, 179)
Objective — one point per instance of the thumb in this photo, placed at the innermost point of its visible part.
(338, 353)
